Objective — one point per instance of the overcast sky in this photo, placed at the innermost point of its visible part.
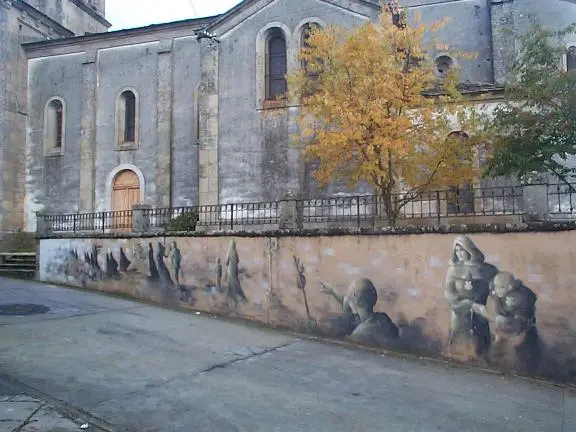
(125, 14)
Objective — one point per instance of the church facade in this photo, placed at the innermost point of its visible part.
(163, 116)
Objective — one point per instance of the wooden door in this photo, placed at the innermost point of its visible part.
(125, 193)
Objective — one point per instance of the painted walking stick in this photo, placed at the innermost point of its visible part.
(301, 283)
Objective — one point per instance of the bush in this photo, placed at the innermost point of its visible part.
(184, 222)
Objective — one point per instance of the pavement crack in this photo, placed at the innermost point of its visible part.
(252, 355)
(563, 411)
(70, 317)
(27, 421)
(222, 365)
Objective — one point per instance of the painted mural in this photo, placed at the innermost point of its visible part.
(460, 297)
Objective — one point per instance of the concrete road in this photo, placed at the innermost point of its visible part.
(134, 367)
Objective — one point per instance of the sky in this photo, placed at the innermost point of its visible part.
(125, 14)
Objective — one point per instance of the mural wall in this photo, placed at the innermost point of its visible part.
(498, 300)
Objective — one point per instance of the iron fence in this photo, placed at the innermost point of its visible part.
(220, 216)
(91, 222)
(454, 202)
(433, 207)
(561, 199)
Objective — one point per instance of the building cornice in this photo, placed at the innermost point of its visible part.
(116, 38)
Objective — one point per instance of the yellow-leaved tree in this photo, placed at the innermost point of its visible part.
(373, 109)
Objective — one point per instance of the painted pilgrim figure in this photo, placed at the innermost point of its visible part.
(467, 283)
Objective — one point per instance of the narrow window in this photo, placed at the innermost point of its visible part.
(126, 119)
(129, 116)
(571, 59)
(54, 125)
(59, 123)
(276, 66)
(308, 29)
(311, 74)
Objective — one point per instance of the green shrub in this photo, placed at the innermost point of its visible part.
(184, 222)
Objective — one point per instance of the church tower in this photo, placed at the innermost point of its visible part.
(78, 16)
(23, 21)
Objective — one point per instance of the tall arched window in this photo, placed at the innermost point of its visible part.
(54, 125)
(306, 30)
(571, 59)
(127, 118)
(276, 65)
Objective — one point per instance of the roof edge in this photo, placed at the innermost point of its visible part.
(102, 20)
(246, 3)
(195, 23)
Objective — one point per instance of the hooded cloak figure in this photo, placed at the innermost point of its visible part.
(152, 264)
(234, 289)
(124, 261)
(468, 283)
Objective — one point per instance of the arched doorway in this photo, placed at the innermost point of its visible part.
(125, 193)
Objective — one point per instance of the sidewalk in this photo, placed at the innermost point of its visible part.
(22, 413)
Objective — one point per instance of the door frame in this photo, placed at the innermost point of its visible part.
(112, 177)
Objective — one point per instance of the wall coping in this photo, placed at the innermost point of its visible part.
(547, 226)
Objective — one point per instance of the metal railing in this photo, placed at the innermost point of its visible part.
(561, 199)
(94, 222)
(454, 202)
(435, 207)
(220, 215)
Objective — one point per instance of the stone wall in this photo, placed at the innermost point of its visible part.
(500, 300)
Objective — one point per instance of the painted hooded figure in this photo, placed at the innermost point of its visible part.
(234, 288)
(467, 283)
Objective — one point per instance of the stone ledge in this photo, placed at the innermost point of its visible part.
(405, 230)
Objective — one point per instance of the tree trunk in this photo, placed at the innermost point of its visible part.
(386, 197)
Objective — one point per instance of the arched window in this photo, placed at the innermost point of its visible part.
(304, 42)
(571, 59)
(127, 118)
(443, 66)
(54, 125)
(276, 65)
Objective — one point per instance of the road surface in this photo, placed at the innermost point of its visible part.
(134, 367)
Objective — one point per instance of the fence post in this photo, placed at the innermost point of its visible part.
(358, 211)
(41, 225)
(290, 213)
(141, 218)
(74, 222)
(232, 216)
(103, 222)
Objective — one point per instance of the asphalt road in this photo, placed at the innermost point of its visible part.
(134, 367)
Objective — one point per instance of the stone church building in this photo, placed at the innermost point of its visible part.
(162, 116)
